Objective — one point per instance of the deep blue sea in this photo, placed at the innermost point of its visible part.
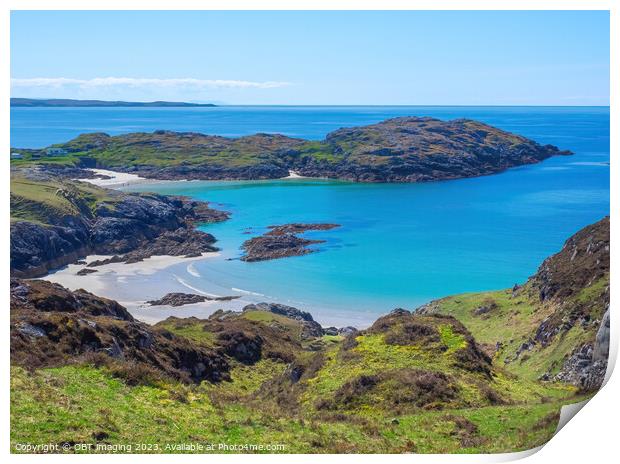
(400, 245)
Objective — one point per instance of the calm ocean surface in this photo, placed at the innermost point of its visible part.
(400, 244)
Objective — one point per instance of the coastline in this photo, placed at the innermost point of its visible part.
(133, 284)
(118, 180)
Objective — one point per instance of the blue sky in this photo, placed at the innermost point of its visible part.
(399, 58)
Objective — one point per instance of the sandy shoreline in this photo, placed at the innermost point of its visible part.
(116, 179)
(133, 284)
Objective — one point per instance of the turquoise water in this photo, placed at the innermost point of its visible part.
(404, 244)
(399, 244)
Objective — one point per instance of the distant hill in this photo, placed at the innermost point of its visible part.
(63, 102)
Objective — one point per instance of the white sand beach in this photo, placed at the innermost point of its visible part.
(294, 175)
(116, 179)
(133, 284)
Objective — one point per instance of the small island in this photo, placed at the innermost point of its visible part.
(282, 241)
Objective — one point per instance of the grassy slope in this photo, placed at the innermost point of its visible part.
(513, 320)
(78, 403)
(47, 201)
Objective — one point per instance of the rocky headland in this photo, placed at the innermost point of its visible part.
(405, 149)
(56, 222)
(558, 319)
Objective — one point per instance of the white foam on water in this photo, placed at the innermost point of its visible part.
(191, 287)
(192, 271)
(247, 292)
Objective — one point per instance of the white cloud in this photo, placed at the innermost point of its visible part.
(133, 82)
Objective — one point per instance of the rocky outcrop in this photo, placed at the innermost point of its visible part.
(584, 258)
(601, 342)
(283, 310)
(130, 226)
(310, 328)
(181, 299)
(36, 249)
(52, 326)
(181, 242)
(576, 282)
(587, 365)
(282, 241)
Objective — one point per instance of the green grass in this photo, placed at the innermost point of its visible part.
(372, 356)
(46, 201)
(451, 340)
(194, 332)
(70, 160)
(513, 320)
(77, 404)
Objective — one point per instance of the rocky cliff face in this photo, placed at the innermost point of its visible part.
(134, 226)
(576, 282)
(36, 249)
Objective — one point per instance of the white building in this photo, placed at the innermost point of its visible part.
(17, 156)
(55, 152)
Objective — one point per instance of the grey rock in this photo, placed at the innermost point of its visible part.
(601, 344)
(31, 330)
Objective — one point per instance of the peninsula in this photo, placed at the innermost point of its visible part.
(406, 149)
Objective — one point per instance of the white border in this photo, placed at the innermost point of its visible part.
(590, 437)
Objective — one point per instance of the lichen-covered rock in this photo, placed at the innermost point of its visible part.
(180, 299)
(310, 328)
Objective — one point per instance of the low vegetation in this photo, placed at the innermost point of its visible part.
(409, 149)
(409, 383)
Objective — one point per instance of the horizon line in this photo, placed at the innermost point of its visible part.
(318, 105)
